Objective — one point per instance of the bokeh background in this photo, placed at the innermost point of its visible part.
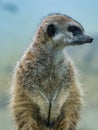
(19, 20)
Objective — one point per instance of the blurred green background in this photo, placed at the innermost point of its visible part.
(19, 20)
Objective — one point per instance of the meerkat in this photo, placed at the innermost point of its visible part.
(46, 94)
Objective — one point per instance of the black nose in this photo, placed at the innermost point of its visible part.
(91, 39)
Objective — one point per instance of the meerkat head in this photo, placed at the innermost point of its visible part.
(63, 31)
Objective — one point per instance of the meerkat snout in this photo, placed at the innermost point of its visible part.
(89, 40)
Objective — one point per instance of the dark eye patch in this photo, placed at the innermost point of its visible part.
(75, 30)
(51, 29)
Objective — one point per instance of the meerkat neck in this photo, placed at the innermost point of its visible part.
(47, 51)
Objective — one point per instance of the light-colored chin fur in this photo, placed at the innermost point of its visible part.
(65, 38)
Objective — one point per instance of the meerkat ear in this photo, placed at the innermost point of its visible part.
(51, 29)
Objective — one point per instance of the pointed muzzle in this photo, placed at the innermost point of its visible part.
(88, 39)
(82, 39)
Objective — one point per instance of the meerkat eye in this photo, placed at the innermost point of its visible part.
(75, 30)
(51, 30)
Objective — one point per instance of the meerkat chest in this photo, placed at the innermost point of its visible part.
(52, 85)
(51, 78)
(48, 84)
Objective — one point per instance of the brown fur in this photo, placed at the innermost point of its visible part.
(45, 92)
